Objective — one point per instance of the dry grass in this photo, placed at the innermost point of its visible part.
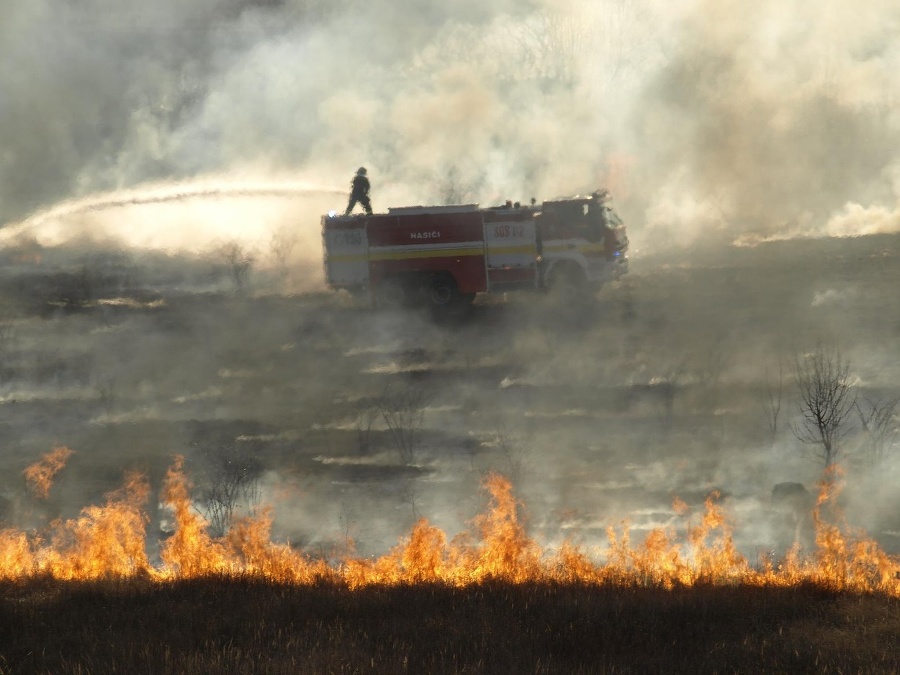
(251, 626)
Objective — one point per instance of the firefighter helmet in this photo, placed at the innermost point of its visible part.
(361, 171)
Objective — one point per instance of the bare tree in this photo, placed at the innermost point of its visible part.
(410, 495)
(228, 471)
(238, 261)
(281, 246)
(558, 40)
(666, 385)
(826, 400)
(347, 520)
(880, 428)
(515, 448)
(365, 416)
(402, 411)
(772, 401)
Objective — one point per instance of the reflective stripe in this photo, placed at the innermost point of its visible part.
(427, 246)
(580, 248)
(426, 250)
(510, 250)
(424, 253)
(347, 258)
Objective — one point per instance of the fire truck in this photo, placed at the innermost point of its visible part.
(443, 256)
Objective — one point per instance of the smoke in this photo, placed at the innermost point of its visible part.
(185, 126)
(777, 116)
(708, 119)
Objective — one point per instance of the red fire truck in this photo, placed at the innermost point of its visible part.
(442, 256)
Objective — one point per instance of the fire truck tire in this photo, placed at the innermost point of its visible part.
(443, 292)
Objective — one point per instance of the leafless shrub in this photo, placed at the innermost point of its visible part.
(365, 416)
(227, 478)
(826, 400)
(551, 45)
(880, 428)
(107, 394)
(666, 385)
(515, 448)
(238, 261)
(773, 398)
(281, 246)
(410, 495)
(347, 521)
(402, 411)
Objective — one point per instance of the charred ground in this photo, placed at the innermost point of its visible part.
(599, 414)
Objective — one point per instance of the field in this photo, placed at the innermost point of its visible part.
(216, 626)
(352, 424)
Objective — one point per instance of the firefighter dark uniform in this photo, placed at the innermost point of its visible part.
(359, 192)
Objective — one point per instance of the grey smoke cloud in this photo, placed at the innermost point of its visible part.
(705, 118)
(187, 125)
(777, 117)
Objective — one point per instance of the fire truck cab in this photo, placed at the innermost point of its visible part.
(442, 256)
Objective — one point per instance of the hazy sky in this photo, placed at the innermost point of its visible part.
(705, 117)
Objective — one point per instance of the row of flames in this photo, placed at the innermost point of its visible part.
(109, 541)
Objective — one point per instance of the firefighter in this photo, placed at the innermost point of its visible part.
(359, 192)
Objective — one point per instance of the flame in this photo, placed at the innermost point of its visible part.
(109, 541)
(39, 476)
(845, 557)
(105, 541)
(190, 551)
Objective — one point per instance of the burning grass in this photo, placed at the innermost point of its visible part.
(82, 596)
(109, 542)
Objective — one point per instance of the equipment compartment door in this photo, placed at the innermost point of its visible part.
(346, 252)
(511, 245)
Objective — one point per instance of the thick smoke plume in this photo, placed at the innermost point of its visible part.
(227, 127)
(707, 119)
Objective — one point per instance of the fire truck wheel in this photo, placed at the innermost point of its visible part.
(443, 292)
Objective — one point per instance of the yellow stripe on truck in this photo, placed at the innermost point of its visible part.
(459, 252)
(580, 248)
(357, 257)
(425, 253)
(406, 255)
(510, 250)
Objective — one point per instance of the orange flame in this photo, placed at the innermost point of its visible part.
(846, 558)
(190, 551)
(39, 476)
(110, 541)
(105, 541)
